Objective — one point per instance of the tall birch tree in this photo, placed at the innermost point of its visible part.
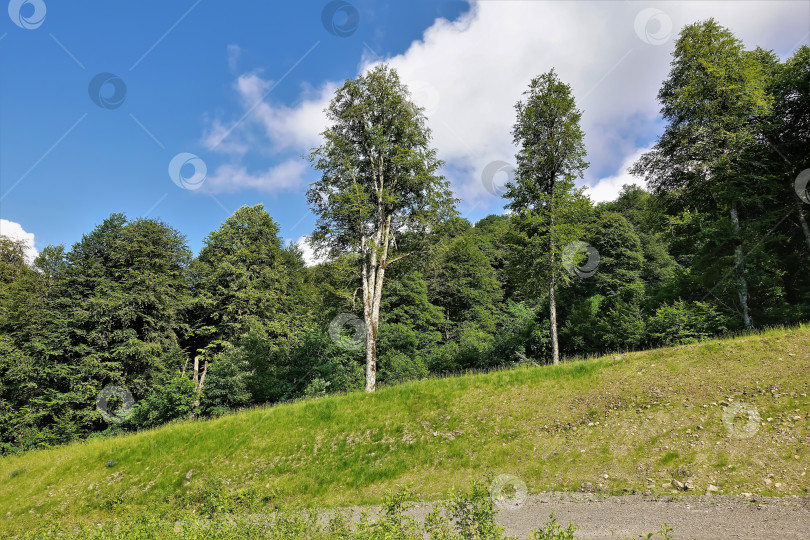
(548, 208)
(378, 180)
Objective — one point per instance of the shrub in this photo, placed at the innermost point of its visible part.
(684, 322)
(225, 385)
(175, 399)
(397, 367)
(554, 531)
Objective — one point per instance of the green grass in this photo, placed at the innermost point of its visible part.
(636, 416)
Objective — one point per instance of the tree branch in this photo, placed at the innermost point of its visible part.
(395, 259)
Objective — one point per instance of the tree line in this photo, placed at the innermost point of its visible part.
(128, 316)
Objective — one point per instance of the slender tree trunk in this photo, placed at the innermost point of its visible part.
(555, 347)
(199, 382)
(372, 321)
(742, 291)
(371, 357)
(369, 272)
(373, 274)
(552, 298)
(803, 222)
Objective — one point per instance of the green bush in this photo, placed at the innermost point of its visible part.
(225, 385)
(170, 401)
(684, 322)
(554, 531)
(397, 367)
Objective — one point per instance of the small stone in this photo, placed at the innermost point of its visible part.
(688, 485)
(769, 419)
(586, 487)
(666, 485)
(768, 481)
(711, 488)
(605, 477)
(778, 485)
(678, 484)
(189, 473)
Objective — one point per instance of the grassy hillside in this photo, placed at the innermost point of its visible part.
(616, 422)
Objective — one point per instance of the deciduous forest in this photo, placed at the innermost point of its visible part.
(128, 329)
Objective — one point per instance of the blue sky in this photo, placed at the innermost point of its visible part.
(241, 85)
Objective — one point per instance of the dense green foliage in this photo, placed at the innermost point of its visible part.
(719, 243)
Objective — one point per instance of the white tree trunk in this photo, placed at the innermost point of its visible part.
(552, 298)
(368, 302)
(555, 346)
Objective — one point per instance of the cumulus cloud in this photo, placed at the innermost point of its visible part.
(469, 73)
(608, 188)
(308, 253)
(15, 231)
(229, 178)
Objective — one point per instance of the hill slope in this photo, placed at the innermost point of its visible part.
(616, 422)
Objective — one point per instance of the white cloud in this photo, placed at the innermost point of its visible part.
(288, 128)
(308, 253)
(607, 189)
(470, 72)
(15, 231)
(229, 178)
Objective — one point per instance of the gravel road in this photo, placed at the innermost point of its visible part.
(633, 516)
